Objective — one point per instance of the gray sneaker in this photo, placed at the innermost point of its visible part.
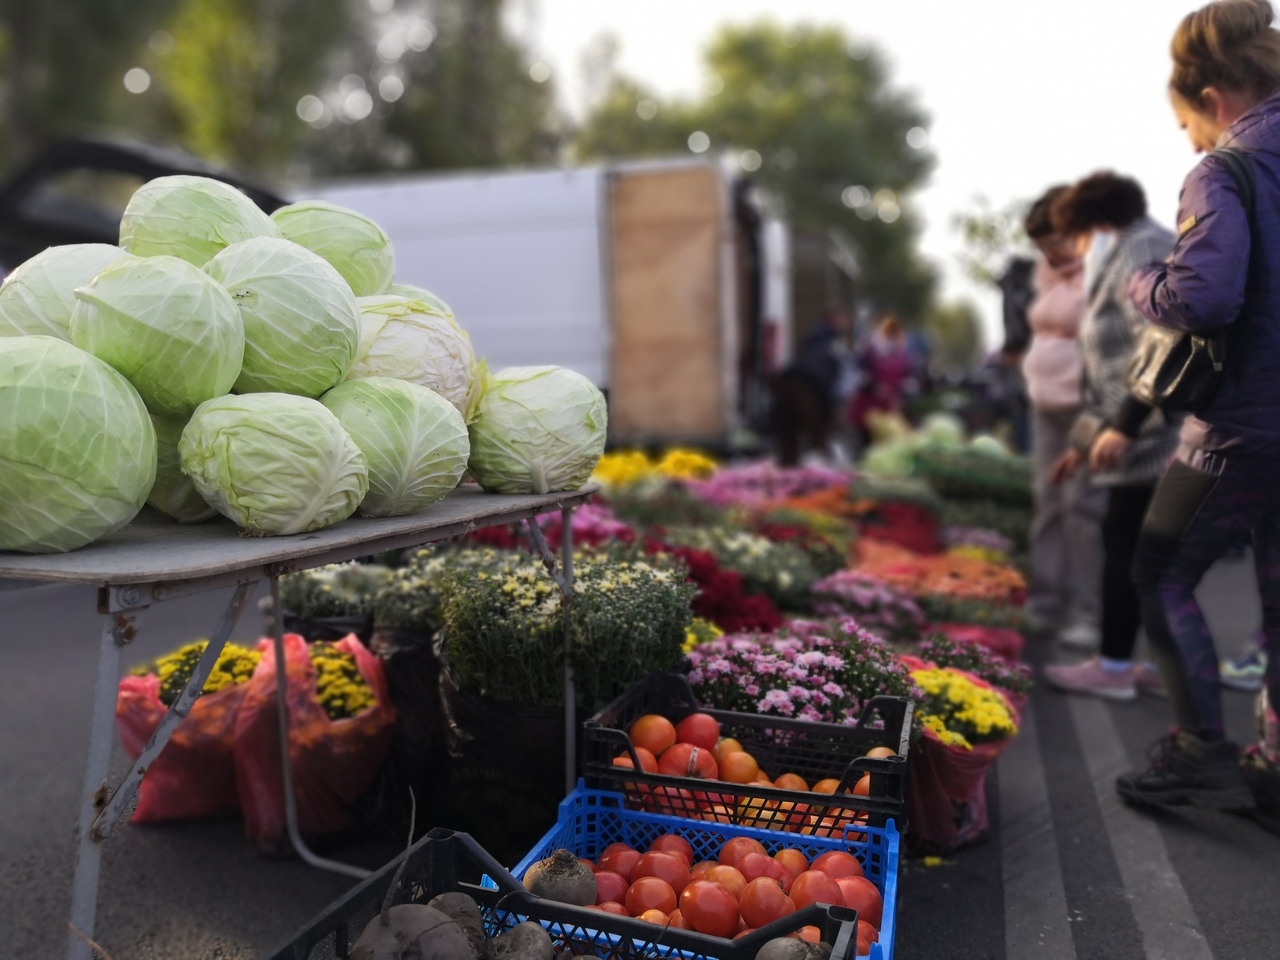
(1089, 677)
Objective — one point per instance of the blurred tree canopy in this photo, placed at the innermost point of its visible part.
(990, 237)
(955, 336)
(812, 116)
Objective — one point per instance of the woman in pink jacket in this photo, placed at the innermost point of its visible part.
(1066, 544)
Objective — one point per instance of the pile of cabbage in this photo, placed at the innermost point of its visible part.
(265, 368)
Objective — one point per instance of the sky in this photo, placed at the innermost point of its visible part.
(1022, 93)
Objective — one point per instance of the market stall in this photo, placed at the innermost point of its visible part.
(153, 560)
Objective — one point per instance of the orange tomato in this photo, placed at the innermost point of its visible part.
(828, 786)
(814, 887)
(793, 860)
(862, 895)
(792, 781)
(651, 893)
(877, 753)
(654, 915)
(738, 767)
(738, 847)
(698, 869)
(730, 878)
(863, 787)
(653, 732)
(678, 921)
(836, 864)
(671, 867)
(717, 813)
(809, 934)
(726, 745)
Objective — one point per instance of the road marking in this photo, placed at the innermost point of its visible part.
(1036, 924)
(1169, 926)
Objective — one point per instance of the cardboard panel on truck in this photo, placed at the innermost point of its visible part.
(667, 376)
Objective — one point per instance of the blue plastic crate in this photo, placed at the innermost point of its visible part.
(590, 820)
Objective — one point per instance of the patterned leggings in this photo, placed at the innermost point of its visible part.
(1205, 504)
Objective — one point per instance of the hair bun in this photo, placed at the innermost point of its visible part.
(1229, 44)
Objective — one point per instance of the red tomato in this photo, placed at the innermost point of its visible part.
(678, 921)
(698, 869)
(717, 813)
(700, 729)
(687, 760)
(809, 934)
(763, 901)
(674, 802)
(728, 877)
(610, 886)
(861, 894)
(621, 862)
(671, 843)
(614, 848)
(650, 893)
(795, 861)
(837, 863)
(587, 863)
(815, 887)
(738, 847)
(654, 916)
(867, 930)
(742, 933)
(710, 908)
(653, 732)
(611, 907)
(671, 867)
(756, 865)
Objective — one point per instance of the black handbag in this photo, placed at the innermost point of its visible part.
(1174, 370)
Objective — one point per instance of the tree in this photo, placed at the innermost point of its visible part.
(813, 118)
(63, 63)
(990, 237)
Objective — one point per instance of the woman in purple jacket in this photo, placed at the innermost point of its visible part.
(1222, 485)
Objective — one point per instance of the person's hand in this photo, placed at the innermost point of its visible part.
(1108, 450)
(1065, 467)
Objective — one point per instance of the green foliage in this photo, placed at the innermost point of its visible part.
(821, 121)
(338, 590)
(990, 237)
(955, 336)
(782, 571)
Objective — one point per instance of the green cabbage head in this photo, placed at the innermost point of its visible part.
(410, 292)
(414, 440)
(411, 340)
(537, 430)
(191, 218)
(301, 326)
(274, 463)
(174, 493)
(355, 245)
(38, 297)
(77, 450)
(172, 331)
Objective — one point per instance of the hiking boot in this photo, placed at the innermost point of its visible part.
(1188, 771)
(1263, 778)
(1090, 677)
(1247, 670)
(1147, 679)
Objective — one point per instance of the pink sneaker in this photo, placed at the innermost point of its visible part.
(1089, 677)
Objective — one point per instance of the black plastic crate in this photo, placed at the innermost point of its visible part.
(815, 751)
(444, 861)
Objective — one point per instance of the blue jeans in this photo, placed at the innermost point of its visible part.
(1205, 504)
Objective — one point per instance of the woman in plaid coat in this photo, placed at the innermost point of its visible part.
(1107, 214)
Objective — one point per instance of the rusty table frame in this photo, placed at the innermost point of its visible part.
(154, 559)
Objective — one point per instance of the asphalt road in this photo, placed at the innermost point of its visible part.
(1067, 873)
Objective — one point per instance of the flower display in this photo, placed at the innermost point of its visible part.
(627, 468)
(942, 651)
(340, 687)
(721, 598)
(960, 711)
(680, 464)
(622, 469)
(979, 538)
(760, 483)
(592, 524)
(337, 590)
(887, 611)
(782, 571)
(954, 576)
(234, 666)
(700, 631)
(824, 672)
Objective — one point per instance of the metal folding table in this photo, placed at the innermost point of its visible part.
(154, 559)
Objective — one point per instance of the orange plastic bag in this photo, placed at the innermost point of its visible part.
(333, 763)
(194, 776)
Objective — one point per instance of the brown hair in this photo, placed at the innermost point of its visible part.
(1100, 200)
(1038, 223)
(1229, 45)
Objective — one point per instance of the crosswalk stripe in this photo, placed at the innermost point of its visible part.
(1035, 904)
(1169, 926)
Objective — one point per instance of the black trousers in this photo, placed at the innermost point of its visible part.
(1121, 609)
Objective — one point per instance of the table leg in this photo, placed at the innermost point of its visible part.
(570, 687)
(282, 707)
(84, 895)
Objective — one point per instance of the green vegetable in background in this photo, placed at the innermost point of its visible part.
(191, 218)
(39, 296)
(355, 245)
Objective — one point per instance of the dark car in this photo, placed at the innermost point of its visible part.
(77, 189)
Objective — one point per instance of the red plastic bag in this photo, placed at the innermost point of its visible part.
(333, 763)
(194, 776)
(946, 784)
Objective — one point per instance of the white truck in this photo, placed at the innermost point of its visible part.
(666, 283)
